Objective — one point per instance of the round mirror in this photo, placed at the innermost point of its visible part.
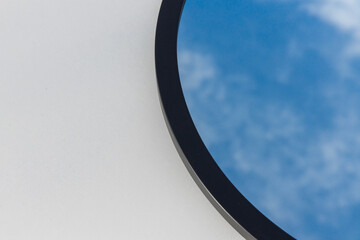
(262, 99)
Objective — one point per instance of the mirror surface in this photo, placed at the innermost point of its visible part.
(273, 87)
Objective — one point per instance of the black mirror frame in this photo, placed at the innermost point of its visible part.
(233, 206)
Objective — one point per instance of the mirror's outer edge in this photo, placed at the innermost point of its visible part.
(232, 205)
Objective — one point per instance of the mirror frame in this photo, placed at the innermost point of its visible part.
(225, 197)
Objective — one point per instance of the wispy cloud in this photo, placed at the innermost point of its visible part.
(195, 68)
(344, 15)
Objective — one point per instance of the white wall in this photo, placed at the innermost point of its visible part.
(84, 150)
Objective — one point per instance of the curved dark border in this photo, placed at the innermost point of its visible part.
(240, 213)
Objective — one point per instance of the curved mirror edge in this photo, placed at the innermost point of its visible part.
(240, 213)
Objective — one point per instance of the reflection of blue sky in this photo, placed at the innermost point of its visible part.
(274, 89)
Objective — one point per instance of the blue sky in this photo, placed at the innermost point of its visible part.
(273, 87)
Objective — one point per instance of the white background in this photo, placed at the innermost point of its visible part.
(84, 150)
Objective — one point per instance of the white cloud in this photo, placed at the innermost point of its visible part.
(195, 68)
(344, 15)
